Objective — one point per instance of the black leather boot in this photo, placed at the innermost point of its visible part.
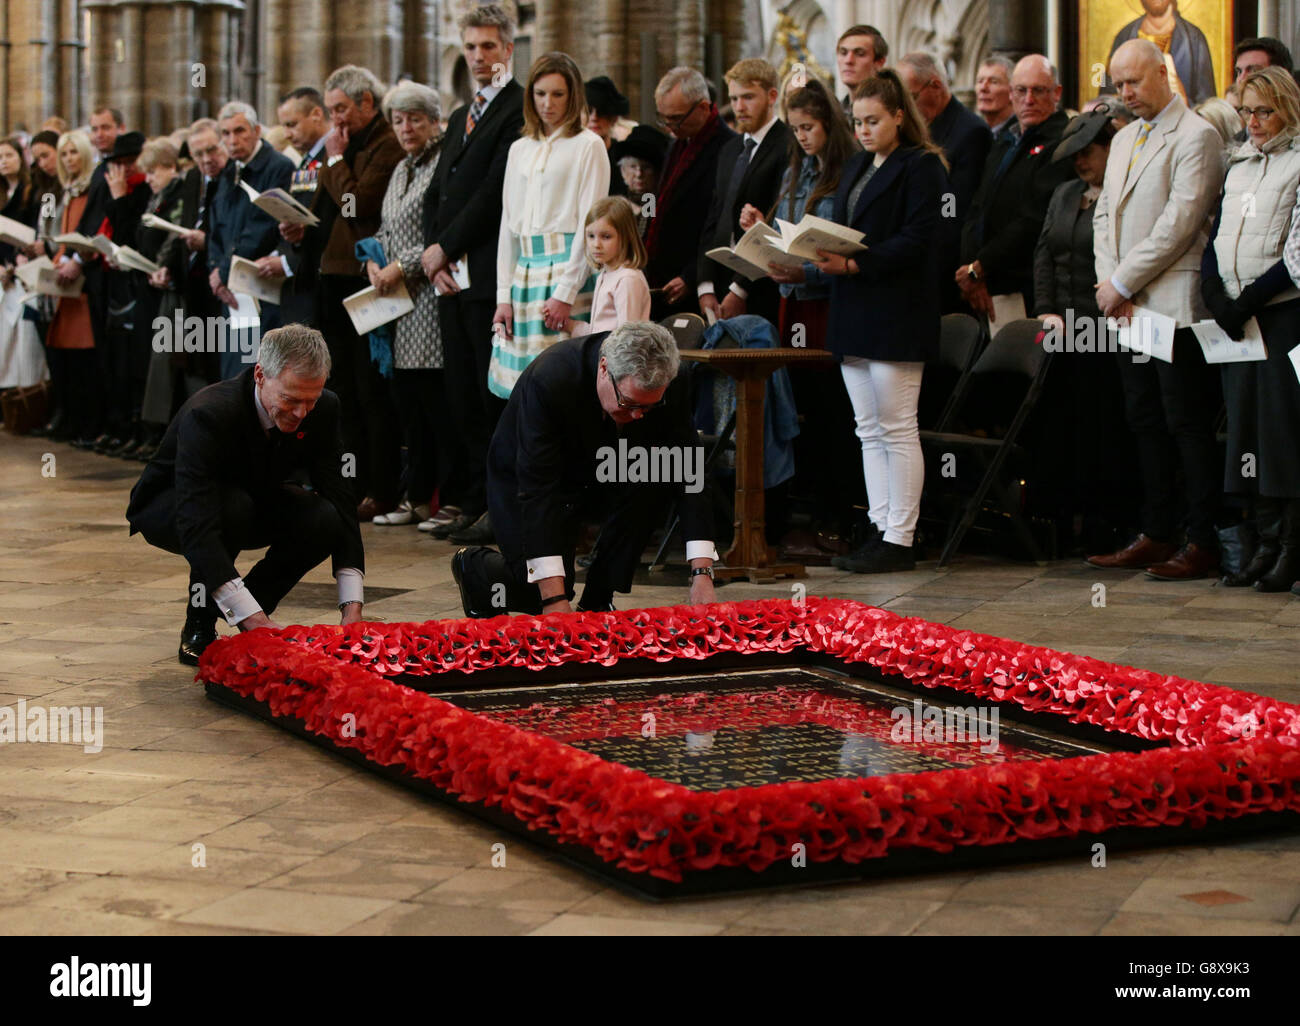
(1268, 523)
(1286, 570)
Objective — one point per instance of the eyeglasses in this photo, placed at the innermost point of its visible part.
(1260, 113)
(1039, 91)
(631, 407)
(674, 123)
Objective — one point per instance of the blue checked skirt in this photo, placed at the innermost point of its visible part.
(542, 260)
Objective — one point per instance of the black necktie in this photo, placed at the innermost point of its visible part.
(737, 173)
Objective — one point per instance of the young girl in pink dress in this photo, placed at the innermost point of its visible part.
(615, 248)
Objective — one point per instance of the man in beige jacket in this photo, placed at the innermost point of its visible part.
(1150, 227)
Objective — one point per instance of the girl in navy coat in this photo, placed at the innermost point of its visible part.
(885, 307)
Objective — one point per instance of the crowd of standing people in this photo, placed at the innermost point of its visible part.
(537, 211)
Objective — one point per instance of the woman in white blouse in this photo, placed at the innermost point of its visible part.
(553, 176)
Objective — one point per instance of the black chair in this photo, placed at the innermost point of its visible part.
(686, 328)
(961, 337)
(1014, 352)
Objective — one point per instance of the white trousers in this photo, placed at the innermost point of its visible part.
(884, 394)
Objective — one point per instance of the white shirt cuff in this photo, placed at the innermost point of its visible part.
(235, 601)
(704, 288)
(1119, 287)
(739, 291)
(350, 584)
(284, 264)
(545, 566)
(701, 550)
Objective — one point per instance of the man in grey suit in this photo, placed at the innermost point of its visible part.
(1151, 225)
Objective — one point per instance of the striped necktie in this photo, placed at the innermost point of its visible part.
(475, 111)
(1141, 141)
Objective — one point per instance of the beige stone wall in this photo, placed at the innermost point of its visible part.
(164, 62)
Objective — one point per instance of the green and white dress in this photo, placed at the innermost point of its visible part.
(550, 185)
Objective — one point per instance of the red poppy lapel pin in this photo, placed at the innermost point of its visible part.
(1037, 150)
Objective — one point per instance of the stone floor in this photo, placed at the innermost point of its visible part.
(295, 840)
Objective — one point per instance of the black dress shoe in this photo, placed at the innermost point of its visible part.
(461, 523)
(85, 442)
(478, 533)
(107, 445)
(145, 453)
(127, 449)
(458, 574)
(195, 637)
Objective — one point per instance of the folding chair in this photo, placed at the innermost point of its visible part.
(687, 328)
(961, 338)
(1015, 350)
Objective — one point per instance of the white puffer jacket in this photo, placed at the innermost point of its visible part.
(1259, 199)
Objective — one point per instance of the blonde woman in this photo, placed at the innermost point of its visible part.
(1244, 277)
(553, 176)
(69, 344)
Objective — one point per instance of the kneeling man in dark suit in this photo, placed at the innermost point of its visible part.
(256, 460)
(597, 427)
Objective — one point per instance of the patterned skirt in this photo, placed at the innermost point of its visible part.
(542, 259)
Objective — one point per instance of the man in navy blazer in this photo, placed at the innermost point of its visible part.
(462, 219)
(750, 167)
(229, 476)
(238, 227)
(965, 139)
(1007, 214)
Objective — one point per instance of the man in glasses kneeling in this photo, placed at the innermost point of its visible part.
(597, 428)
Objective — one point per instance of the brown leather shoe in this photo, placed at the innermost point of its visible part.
(370, 508)
(1140, 553)
(1188, 564)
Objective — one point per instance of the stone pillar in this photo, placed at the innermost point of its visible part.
(69, 98)
(32, 68)
(368, 33)
(169, 55)
(1017, 27)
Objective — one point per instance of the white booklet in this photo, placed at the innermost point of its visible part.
(154, 221)
(126, 258)
(787, 245)
(368, 309)
(244, 278)
(1007, 308)
(1147, 334)
(15, 232)
(1294, 355)
(459, 274)
(40, 277)
(75, 240)
(280, 205)
(1219, 348)
(813, 233)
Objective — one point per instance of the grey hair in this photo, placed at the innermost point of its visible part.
(236, 107)
(925, 66)
(354, 82)
(1223, 116)
(412, 97)
(644, 351)
(295, 346)
(205, 125)
(997, 60)
(490, 16)
(693, 86)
